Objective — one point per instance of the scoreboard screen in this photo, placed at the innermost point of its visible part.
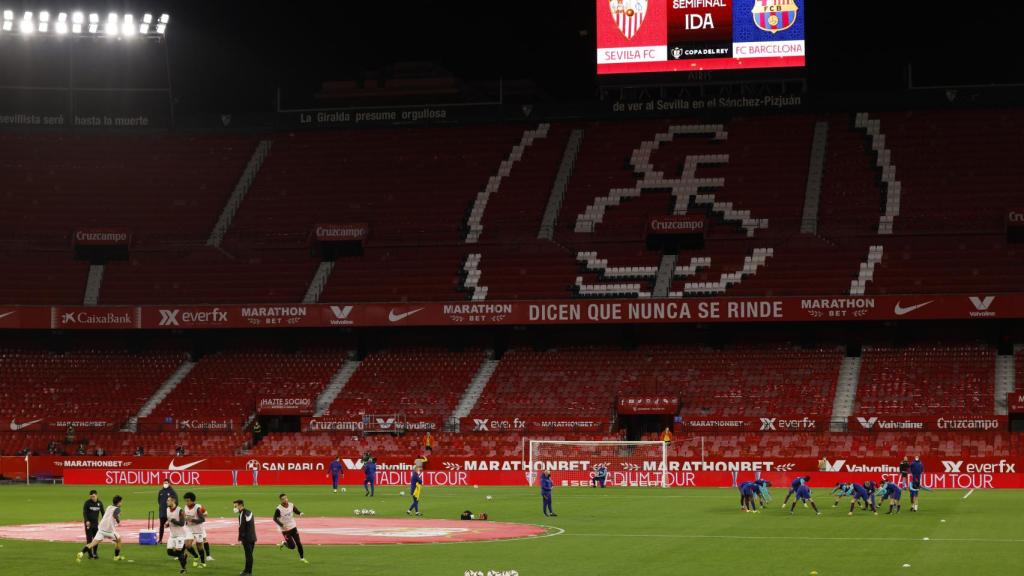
(650, 36)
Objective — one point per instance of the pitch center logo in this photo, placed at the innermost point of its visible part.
(628, 15)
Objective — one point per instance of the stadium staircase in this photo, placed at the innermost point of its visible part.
(336, 385)
(93, 284)
(227, 215)
(316, 285)
(565, 168)
(1006, 376)
(473, 392)
(666, 271)
(815, 173)
(845, 400)
(158, 396)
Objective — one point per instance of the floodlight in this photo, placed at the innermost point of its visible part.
(27, 27)
(165, 18)
(61, 28)
(160, 28)
(62, 17)
(76, 28)
(112, 17)
(128, 26)
(94, 18)
(111, 28)
(143, 28)
(147, 18)
(8, 14)
(44, 16)
(78, 18)
(44, 26)
(8, 25)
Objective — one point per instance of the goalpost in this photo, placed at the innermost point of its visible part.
(572, 462)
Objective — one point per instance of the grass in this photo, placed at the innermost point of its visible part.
(616, 531)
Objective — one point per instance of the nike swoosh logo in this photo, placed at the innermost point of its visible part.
(900, 310)
(171, 466)
(15, 427)
(399, 317)
(6, 314)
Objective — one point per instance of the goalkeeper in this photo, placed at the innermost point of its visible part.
(599, 476)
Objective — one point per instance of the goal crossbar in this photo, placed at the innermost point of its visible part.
(535, 465)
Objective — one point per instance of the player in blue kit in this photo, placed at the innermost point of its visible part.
(913, 489)
(803, 494)
(841, 490)
(796, 483)
(871, 488)
(893, 493)
(336, 471)
(762, 491)
(860, 494)
(747, 492)
(916, 481)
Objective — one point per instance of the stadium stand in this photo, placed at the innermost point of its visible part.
(230, 384)
(584, 382)
(918, 380)
(100, 384)
(420, 383)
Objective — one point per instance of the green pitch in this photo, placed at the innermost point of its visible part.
(615, 531)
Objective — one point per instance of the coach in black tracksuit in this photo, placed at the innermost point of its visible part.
(91, 512)
(246, 534)
(161, 503)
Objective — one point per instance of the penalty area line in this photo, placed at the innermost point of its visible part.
(969, 492)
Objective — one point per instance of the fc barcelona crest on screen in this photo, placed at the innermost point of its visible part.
(774, 15)
(628, 15)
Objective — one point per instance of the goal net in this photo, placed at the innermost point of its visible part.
(575, 463)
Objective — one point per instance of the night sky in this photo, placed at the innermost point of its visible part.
(229, 54)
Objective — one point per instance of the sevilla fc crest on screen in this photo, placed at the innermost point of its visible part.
(629, 15)
(774, 15)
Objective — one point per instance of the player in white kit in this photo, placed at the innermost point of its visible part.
(179, 532)
(284, 517)
(195, 517)
(107, 530)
